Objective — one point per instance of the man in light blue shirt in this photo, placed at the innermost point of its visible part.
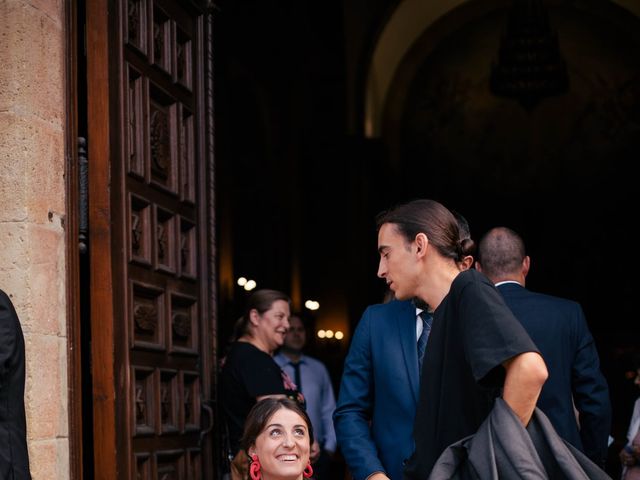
(312, 379)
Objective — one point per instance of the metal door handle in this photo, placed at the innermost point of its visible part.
(206, 408)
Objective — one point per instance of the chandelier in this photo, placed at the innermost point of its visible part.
(530, 66)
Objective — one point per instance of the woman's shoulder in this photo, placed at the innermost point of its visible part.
(242, 351)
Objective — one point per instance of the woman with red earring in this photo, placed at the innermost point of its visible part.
(278, 437)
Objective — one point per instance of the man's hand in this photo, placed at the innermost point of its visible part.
(314, 454)
(626, 458)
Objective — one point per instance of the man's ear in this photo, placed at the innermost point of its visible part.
(466, 262)
(478, 266)
(421, 242)
(526, 264)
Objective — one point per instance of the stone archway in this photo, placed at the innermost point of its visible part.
(408, 23)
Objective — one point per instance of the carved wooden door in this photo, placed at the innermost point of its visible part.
(158, 166)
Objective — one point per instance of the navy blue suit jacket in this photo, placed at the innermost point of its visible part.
(379, 392)
(559, 330)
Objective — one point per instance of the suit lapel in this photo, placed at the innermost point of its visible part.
(406, 322)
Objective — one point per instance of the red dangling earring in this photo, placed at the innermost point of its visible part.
(254, 468)
(308, 471)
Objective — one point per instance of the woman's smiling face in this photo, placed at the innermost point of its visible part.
(271, 327)
(283, 446)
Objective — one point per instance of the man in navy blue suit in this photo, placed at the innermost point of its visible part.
(559, 330)
(379, 393)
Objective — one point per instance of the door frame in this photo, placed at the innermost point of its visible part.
(100, 150)
(74, 362)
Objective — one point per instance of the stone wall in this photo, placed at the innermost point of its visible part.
(32, 215)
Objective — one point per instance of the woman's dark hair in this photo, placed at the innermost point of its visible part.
(262, 412)
(260, 300)
(428, 217)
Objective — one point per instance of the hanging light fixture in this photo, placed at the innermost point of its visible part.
(530, 66)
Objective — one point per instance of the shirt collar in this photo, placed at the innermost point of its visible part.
(302, 358)
(508, 281)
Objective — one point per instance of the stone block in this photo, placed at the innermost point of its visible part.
(43, 394)
(31, 48)
(15, 283)
(42, 459)
(43, 244)
(46, 268)
(49, 182)
(52, 9)
(13, 247)
(26, 145)
(45, 300)
(49, 459)
(13, 145)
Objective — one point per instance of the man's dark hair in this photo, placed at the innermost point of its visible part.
(303, 320)
(428, 217)
(501, 252)
(468, 245)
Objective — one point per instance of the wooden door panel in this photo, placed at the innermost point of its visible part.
(165, 319)
(160, 204)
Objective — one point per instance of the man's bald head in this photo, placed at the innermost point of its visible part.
(502, 256)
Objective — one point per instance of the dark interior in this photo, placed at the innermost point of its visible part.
(299, 181)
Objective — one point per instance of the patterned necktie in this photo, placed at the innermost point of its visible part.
(427, 318)
(296, 375)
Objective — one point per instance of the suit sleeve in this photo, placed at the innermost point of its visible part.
(355, 403)
(8, 320)
(590, 394)
(328, 407)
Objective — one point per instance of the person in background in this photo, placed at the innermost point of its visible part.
(14, 456)
(312, 380)
(379, 389)
(277, 438)
(559, 330)
(630, 454)
(249, 373)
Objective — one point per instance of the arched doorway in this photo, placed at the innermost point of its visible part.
(559, 173)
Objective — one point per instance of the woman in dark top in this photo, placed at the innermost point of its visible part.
(249, 373)
(476, 346)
